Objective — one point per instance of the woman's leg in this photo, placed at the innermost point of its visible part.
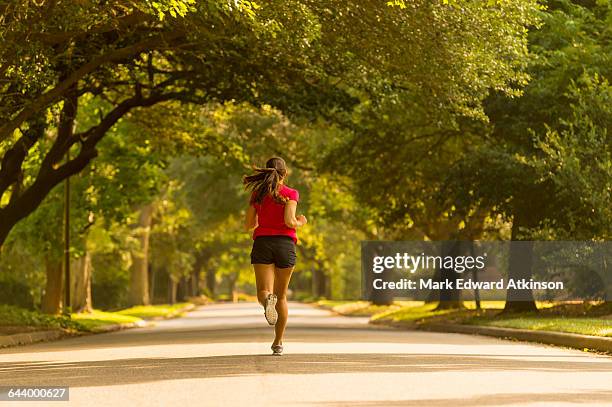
(264, 278)
(281, 284)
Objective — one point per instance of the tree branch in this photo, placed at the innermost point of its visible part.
(48, 176)
(63, 36)
(12, 161)
(61, 88)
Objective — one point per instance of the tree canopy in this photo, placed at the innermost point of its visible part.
(435, 120)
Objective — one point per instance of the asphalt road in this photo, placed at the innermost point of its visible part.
(219, 356)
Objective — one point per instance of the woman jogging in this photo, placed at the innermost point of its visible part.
(271, 216)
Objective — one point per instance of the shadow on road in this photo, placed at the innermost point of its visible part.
(241, 333)
(587, 397)
(125, 371)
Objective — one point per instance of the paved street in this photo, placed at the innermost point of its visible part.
(219, 356)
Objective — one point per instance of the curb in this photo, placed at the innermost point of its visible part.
(117, 327)
(570, 340)
(335, 312)
(176, 314)
(30, 337)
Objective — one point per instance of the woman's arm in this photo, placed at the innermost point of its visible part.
(250, 222)
(290, 219)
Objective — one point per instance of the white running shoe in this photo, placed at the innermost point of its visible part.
(277, 350)
(270, 309)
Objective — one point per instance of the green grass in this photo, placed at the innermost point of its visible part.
(489, 316)
(364, 308)
(471, 305)
(485, 304)
(408, 310)
(154, 311)
(96, 319)
(15, 316)
(410, 313)
(584, 326)
(11, 316)
(240, 297)
(333, 303)
(418, 310)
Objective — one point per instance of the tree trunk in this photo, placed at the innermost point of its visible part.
(319, 282)
(181, 292)
(519, 268)
(81, 285)
(172, 288)
(520, 263)
(434, 295)
(382, 297)
(194, 280)
(11, 173)
(50, 175)
(450, 298)
(189, 286)
(211, 281)
(379, 297)
(152, 276)
(52, 299)
(195, 284)
(232, 287)
(139, 277)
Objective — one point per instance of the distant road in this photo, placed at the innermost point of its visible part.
(218, 355)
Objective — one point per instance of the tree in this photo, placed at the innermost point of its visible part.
(299, 56)
(544, 163)
(404, 136)
(478, 48)
(131, 59)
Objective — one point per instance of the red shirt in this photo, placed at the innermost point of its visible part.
(271, 215)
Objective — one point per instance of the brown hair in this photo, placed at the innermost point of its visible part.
(267, 181)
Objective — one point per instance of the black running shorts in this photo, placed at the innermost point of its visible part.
(277, 250)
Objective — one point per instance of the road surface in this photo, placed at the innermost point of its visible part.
(219, 355)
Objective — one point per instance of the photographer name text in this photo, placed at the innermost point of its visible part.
(465, 284)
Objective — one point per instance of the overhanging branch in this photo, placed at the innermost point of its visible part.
(49, 175)
(61, 88)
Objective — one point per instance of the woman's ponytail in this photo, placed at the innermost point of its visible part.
(267, 181)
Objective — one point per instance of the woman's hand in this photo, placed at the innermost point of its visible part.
(250, 221)
(302, 220)
(292, 221)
